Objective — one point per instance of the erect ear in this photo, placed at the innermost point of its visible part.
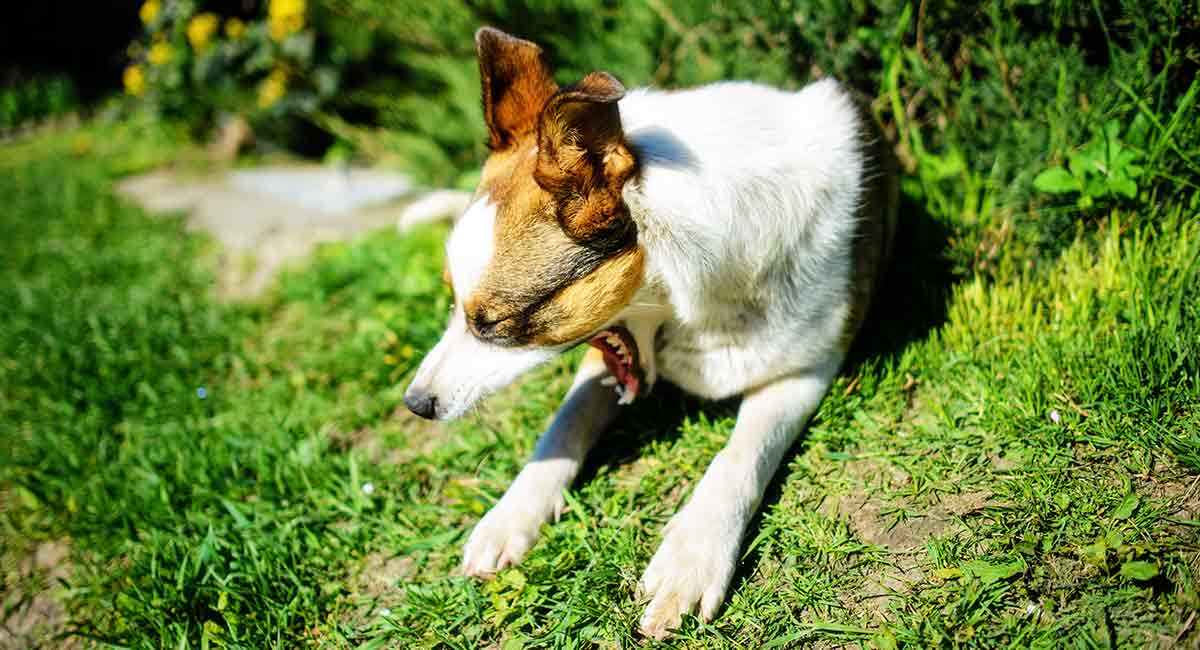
(516, 83)
(583, 160)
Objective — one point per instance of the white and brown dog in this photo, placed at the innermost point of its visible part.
(726, 239)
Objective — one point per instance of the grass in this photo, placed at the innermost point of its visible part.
(1011, 459)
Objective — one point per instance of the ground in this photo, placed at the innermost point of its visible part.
(1007, 460)
(1010, 458)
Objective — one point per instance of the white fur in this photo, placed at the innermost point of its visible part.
(747, 227)
(461, 369)
(511, 527)
(434, 206)
(745, 208)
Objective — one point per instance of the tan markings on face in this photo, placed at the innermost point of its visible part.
(541, 286)
(584, 306)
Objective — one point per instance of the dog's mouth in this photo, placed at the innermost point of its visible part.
(621, 356)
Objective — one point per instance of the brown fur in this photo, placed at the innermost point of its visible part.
(565, 259)
(516, 82)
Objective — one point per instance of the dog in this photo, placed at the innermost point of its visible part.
(726, 239)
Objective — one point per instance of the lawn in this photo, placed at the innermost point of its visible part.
(1010, 459)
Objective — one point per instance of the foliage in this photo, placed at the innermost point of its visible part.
(1104, 167)
(1009, 460)
(194, 64)
(35, 98)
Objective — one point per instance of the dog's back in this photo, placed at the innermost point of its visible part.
(764, 215)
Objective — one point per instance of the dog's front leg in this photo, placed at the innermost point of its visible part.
(511, 527)
(699, 551)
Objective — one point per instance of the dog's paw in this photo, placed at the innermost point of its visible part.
(504, 536)
(692, 566)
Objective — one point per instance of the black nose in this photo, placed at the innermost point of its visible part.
(420, 402)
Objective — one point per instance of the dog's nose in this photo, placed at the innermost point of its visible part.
(421, 402)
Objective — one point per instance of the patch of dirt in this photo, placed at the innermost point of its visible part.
(34, 615)
(880, 588)
(424, 436)
(382, 573)
(375, 587)
(878, 522)
(1176, 487)
(902, 528)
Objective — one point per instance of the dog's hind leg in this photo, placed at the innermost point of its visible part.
(511, 527)
(699, 551)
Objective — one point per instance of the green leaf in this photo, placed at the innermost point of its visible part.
(1139, 570)
(884, 641)
(1094, 553)
(1122, 185)
(1056, 180)
(1112, 130)
(990, 572)
(1124, 157)
(1128, 505)
(948, 573)
(1139, 130)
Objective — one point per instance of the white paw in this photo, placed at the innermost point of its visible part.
(505, 535)
(692, 566)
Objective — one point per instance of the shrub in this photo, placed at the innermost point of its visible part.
(978, 98)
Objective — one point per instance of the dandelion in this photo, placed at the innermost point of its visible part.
(286, 17)
(149, 11)
(159, 54)
(234, 28)
(272, 89)
(368, 488)
(135, 80)
(385, 612)
(200, 30)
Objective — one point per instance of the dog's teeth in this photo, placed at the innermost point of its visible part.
(608, 381)
(626, 396)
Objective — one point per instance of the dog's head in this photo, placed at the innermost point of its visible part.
(547, 253)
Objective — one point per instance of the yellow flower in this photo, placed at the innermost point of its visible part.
(286, 17)
(149, 11)
(234, 28)
(160, 53)
(135, 80)
(200, 30)
(272, 89)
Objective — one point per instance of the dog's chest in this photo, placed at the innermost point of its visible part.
(752, 340)
(723, 358)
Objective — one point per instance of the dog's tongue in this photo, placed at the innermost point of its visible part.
(621, 356)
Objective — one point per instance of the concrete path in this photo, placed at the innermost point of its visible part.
(268, 217)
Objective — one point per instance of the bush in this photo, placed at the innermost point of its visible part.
(36, 98)
(278, 66)
(977, 108)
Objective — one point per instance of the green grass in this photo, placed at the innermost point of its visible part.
(1012, 458)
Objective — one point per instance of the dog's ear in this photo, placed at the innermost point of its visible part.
(516, 83)
(584, 161)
